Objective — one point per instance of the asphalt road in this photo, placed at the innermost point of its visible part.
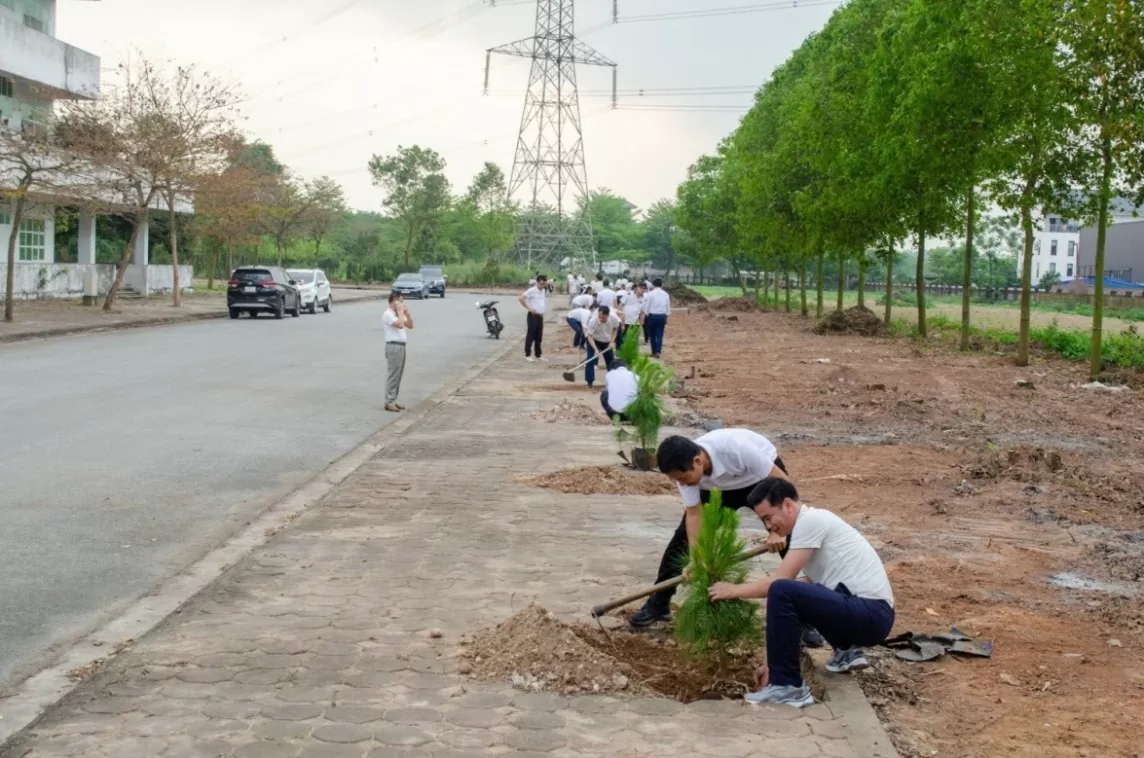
(126, 456)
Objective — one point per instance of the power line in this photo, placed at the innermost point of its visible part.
(301, 29)
(734, 10)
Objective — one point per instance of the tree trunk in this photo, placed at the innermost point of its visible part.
(889, 285)
(766, 289)
(1094, 362)
(967, 273)
(921, 274)
(177, 287)
(786, 280)
(758, 276)
(802, 287)
(776, 290)
(862, 281)
(841, 281)
(818, 284)
(278, 245)
(409, 244)
(229, 260)
(1026, 278)
(13, 243)
(214, 267)
(125, 259)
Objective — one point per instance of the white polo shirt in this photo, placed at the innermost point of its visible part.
(658, 303)
(841, 555)
(536, 299)
(596, 285)
(582, 315)
(621, 385)
(601, 331)
(739, 458)
(606, 297)
(633, 305)
(392, 333)
(582, 301)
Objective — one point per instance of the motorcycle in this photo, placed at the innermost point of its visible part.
(492, 318)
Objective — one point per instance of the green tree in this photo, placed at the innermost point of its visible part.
(492, 210)
(327, 206)
(416, 190)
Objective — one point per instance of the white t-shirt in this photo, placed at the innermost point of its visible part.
(740, 458)
(658, 302)
(633, 306)
(582, 301)
(596, 285)
(536, 299)
(571, 284)
(392, 333)
(606, 297)
(601, 331)
(621, 385)
(841, 555)
(583, 315)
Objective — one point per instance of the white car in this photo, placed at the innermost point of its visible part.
(313, 288)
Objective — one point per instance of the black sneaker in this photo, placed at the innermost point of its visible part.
(811, 637)
(647, 616)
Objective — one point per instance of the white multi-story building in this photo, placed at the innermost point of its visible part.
(1056, 243)
(36, 71)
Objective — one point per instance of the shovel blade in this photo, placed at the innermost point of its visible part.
(569, 376)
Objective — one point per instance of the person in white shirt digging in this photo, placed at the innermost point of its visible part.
(846, 594)
(620, 387)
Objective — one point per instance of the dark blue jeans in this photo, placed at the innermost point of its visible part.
(656, 325)
(595, 350)
(844, 620)
(577, 332)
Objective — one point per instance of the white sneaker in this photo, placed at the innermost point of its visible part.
(542, 360)
(797, 697)
(852, 659)
(530, 359)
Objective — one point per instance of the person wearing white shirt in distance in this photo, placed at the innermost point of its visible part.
(396, 323)
(657, 307)
(846, 594)
(620, 387)
(587, 300)
(535, 302)
(601, 334)
(606, 296)
(631, 311)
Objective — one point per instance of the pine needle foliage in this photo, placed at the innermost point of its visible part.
(629, 351)
(708, 629)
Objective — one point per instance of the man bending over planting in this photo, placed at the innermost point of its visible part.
(846, 593)
(732, 460)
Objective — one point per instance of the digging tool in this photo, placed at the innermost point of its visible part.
(570, 376)
(601, 610)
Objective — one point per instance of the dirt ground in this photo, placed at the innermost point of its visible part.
(604, 480)
(1007, 502)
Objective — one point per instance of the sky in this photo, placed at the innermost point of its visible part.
(330, 83)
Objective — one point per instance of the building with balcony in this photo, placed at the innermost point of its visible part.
(1057, 240)
(37, 70)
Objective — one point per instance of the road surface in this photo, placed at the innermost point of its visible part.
(126, 456)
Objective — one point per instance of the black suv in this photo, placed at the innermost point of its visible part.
(262, 288)
(435, 278)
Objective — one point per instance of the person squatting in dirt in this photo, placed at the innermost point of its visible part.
(846, 594)
(620, 387)
(732, 460)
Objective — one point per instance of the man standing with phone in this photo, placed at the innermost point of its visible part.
(397, 322)
(535, 301)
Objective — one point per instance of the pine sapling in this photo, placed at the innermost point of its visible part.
(706, 629)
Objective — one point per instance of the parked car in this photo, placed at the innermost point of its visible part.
(259, 289)
(412, 285)
(436, 278)
(313, 287)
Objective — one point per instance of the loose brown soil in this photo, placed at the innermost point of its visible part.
(576, 414)
(1013, 513)
(857, 320)
(681, 294)
(604, 480)
(732, 305)
(536, 651)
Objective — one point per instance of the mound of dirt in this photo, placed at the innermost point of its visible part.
(572, 413)
(1021, 464)
(732, 305)
(681, 294)
(858, 320)
(604, 480)
(536, 651)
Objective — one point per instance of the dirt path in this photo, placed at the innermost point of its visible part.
(977, 492)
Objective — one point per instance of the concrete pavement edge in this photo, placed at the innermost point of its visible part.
(71, 331)
(35, 696)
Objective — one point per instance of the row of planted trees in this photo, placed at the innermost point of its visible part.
(903, 119)
(160, 139)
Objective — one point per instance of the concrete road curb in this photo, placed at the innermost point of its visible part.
(33, 697)
(70, 331)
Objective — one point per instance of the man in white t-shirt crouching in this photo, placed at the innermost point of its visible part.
(620, 387)
(846, 594)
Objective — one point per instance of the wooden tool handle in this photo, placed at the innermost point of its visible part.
(601, 610)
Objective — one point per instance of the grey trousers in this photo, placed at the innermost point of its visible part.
(395, 361)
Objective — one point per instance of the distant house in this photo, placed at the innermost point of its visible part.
(1123, 252)
(1057, 241)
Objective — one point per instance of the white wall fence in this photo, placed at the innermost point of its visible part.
(62, 281)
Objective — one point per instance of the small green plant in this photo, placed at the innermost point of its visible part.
(706, 629)
(629, 351)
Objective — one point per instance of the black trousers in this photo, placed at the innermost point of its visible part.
(534, 335)
(671, 565)
(612, 414)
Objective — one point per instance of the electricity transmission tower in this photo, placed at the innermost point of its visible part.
(550, 148)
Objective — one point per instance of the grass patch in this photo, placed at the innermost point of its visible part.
(480, 274)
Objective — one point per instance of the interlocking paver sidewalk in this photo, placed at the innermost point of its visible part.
(317, 644)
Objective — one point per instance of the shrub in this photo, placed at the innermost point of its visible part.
(710, 629)
(482, 274)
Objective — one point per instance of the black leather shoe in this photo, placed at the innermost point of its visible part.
(647, 616)
(811, 637)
